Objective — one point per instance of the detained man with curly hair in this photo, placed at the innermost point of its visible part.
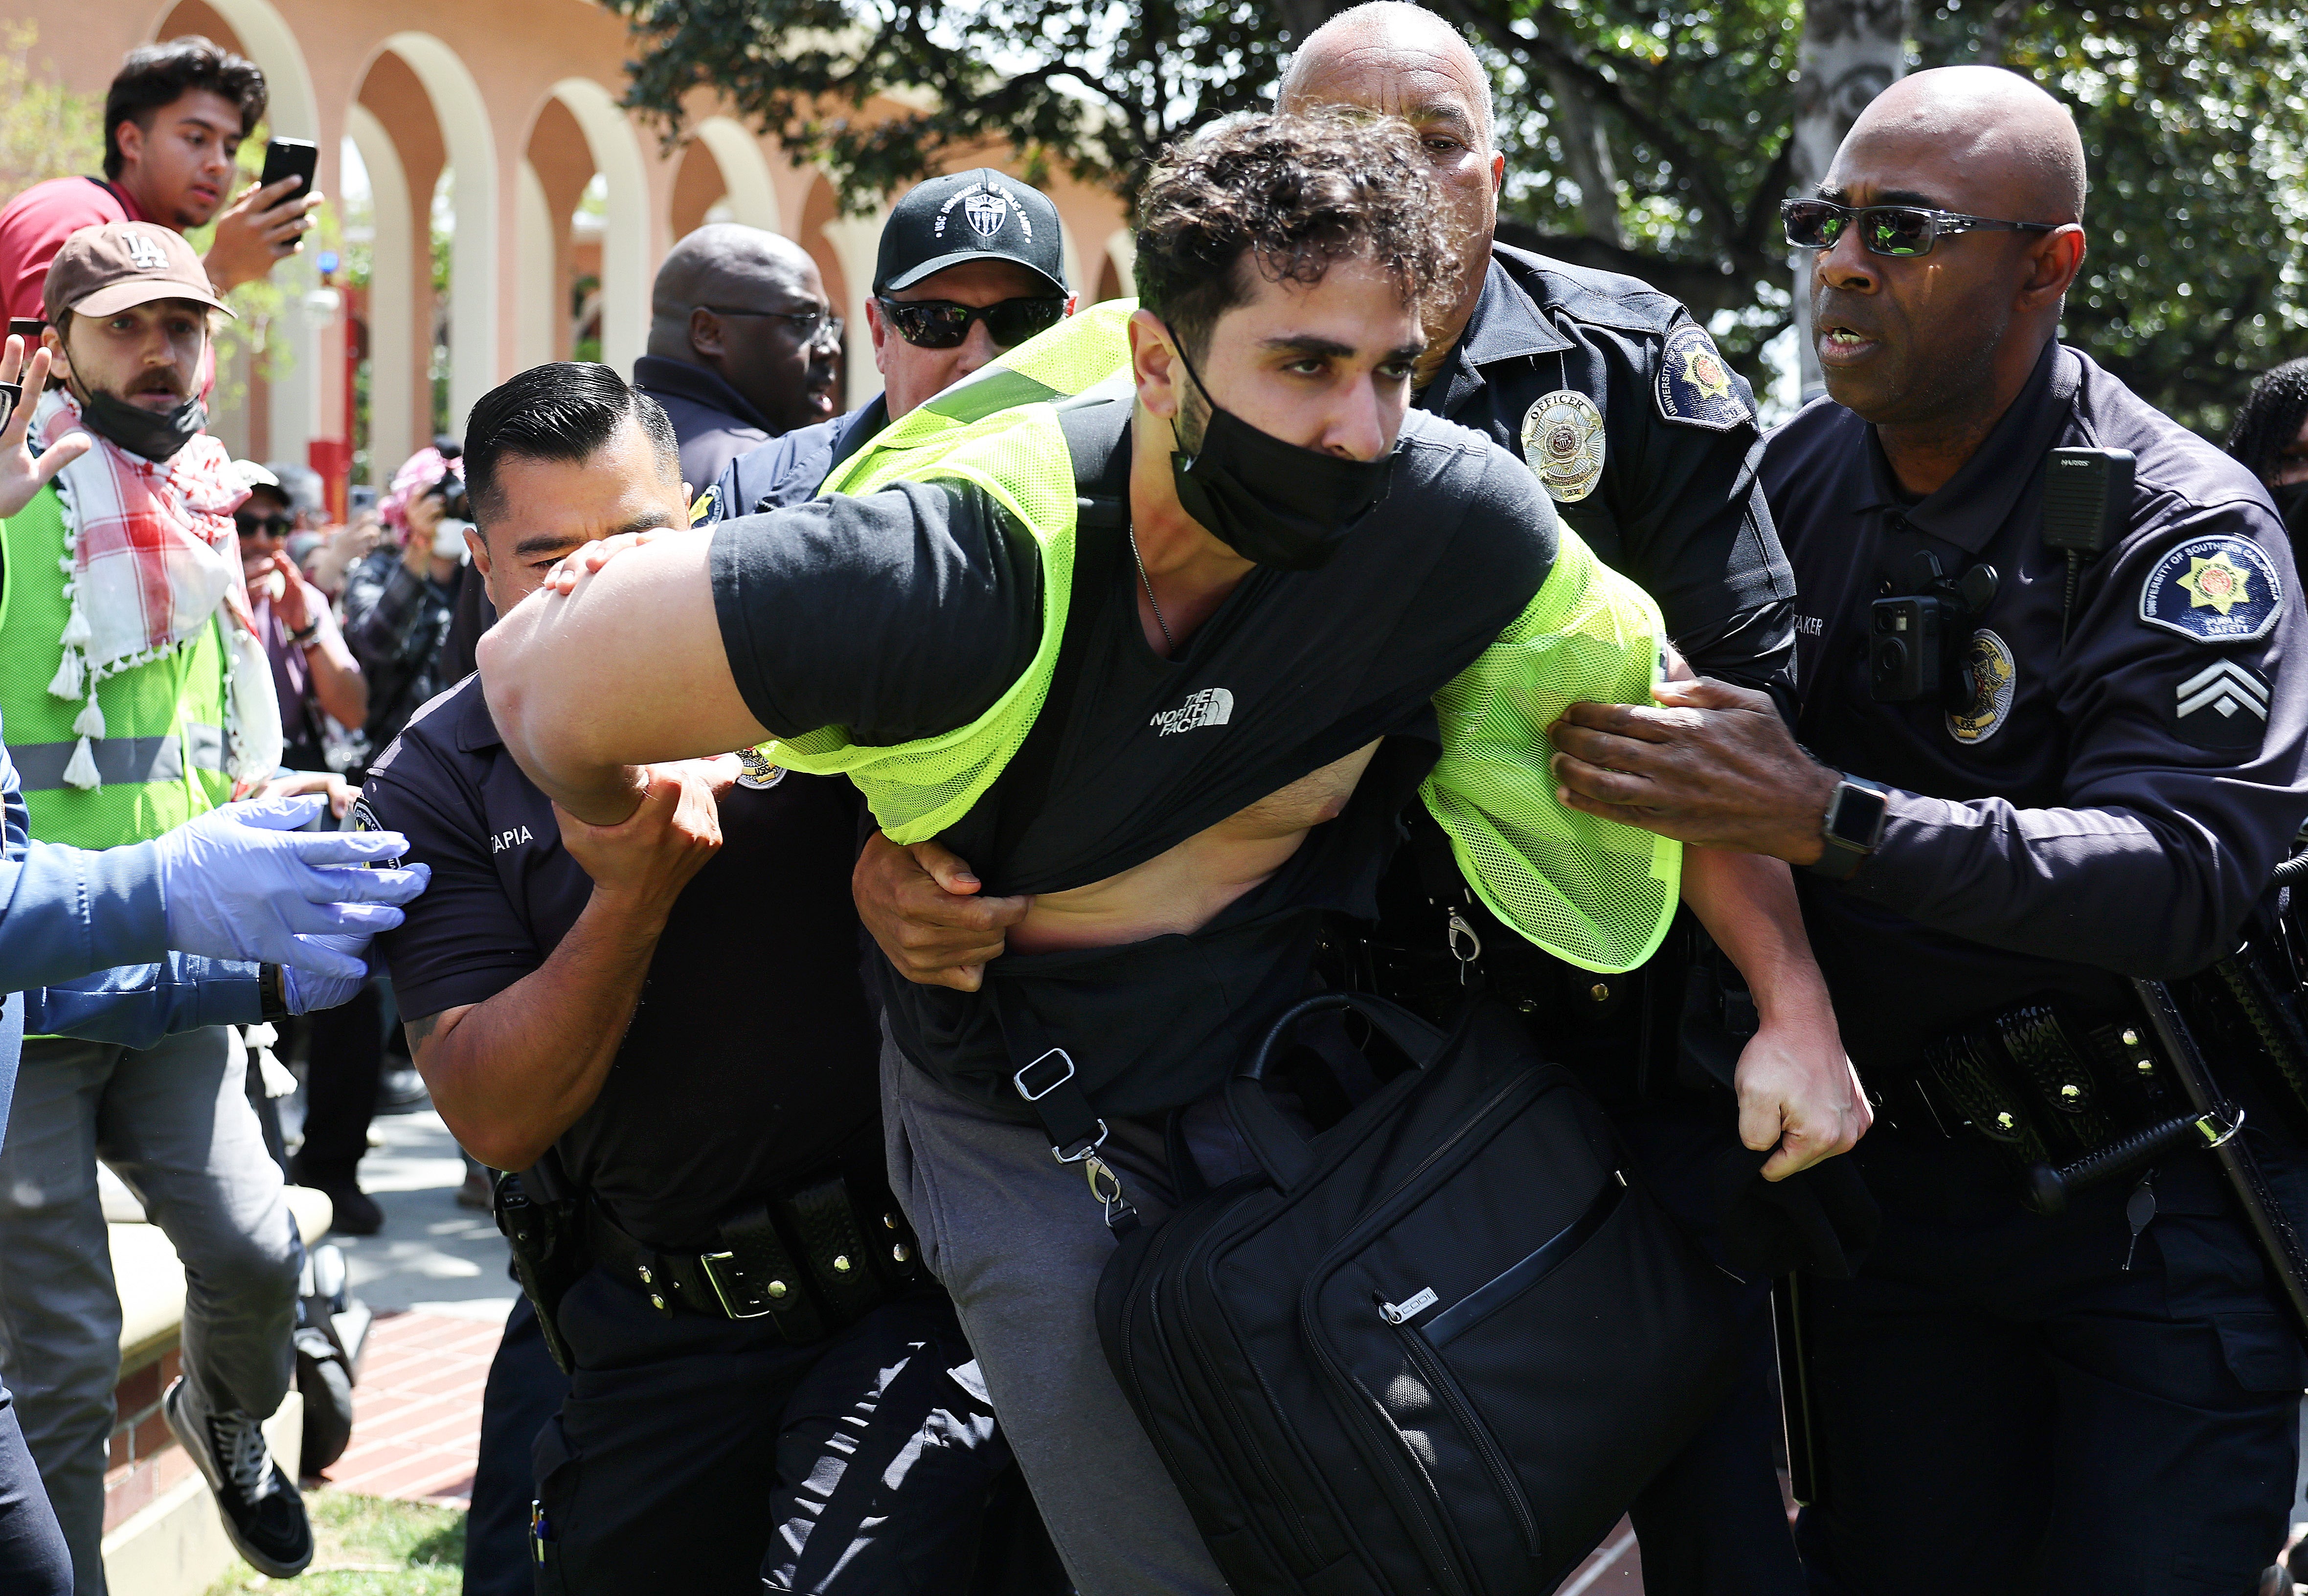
(1186, 727)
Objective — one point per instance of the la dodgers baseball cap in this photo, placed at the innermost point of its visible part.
(108, 269)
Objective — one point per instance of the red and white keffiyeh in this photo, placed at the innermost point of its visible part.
(151, 554)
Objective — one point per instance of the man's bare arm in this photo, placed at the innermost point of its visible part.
(627, 669)
(1797, 1090)
(511, 1073)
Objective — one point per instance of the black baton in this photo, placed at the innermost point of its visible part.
(2279, 1244)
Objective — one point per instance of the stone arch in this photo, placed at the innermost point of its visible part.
(535, 335)
(751, 197)
(464, 122)
(628, 234)
(391, 316)
(1121, 254)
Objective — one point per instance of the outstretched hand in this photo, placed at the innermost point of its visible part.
(21, 476)
(243, 881)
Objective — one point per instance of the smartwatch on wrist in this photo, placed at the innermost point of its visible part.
(1851, 828)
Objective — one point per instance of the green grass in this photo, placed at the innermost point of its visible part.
(368, 1545)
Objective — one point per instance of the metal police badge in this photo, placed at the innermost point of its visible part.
(755, 771)
(1988, 665)
(1563, 445)
(1695, 386)
(2213, 589)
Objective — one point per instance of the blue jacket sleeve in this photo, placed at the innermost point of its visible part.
(136, 1005)
(64, 911)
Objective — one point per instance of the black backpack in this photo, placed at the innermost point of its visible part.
(1437, 1349)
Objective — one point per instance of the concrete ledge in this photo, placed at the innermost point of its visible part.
(175, 1546)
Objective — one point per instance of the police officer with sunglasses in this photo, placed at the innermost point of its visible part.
(2085, 777)
(971, 264)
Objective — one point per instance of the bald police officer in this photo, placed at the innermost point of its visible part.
(2104, 1401)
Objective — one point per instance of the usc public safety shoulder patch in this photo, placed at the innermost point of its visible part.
(1695, 387)
(2213, 589)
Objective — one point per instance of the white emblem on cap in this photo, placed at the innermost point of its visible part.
(986, 209)
(1563, 445)
(144, 253)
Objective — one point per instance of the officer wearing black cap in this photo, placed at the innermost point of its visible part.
(2053, 725)
(971, 264)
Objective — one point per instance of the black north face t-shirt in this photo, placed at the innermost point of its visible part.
(913, 605)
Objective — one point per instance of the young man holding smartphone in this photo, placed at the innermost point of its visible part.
(174, 120)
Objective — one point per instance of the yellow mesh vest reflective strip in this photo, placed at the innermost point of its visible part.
(165, 718)
(1593, 892)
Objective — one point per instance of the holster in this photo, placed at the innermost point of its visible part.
(547, 1255)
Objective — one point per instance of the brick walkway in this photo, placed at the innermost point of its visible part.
(417, 1411)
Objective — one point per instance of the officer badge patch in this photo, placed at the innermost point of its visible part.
(1988, 665)
(1563, 445)
(705, 508)
(2213, 589)
(1695, 386)
(755, 771)
(2223, 708)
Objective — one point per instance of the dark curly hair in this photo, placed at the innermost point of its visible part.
(2270, 418)
(1291, 194)
(161, 75)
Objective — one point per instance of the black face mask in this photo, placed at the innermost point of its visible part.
(1273, 503)
(156, 434)
(2292, 504)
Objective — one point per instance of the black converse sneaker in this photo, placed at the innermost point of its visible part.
(263, 1511)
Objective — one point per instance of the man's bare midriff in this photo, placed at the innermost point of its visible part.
(1183, 889)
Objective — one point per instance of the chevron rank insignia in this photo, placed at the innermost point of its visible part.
(1695, 386)
(2222, 707)
(2213, 589)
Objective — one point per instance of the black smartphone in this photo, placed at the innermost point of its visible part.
(291, 157)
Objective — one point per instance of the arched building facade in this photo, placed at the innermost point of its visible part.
(501, 117)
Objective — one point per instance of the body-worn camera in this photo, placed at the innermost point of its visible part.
(1917, 641)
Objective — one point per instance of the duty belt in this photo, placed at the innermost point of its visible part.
(2070, 1099)
(809, 1276)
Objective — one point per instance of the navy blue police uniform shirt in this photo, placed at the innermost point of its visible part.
(712, 421)
(788, 470)
(2108, 807)
(1657, 469)
(750, 1060)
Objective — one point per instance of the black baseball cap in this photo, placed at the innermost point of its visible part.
(968, 216)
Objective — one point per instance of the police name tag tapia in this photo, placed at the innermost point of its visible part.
(2213, 589)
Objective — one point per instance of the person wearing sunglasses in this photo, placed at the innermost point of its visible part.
(2105, 1398)
(312, 669)
(743, 345)
(971, 264)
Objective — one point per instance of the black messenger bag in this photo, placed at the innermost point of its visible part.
(1438, 1348)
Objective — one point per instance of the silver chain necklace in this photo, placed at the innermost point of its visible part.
(1168, 642)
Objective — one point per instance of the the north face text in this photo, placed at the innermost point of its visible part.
(1211, 707)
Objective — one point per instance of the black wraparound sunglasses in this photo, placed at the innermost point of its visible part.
(266, 526)
(1901, 231)
(943, 324)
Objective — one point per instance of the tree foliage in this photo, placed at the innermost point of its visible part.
(45, 130)
(1645, 136)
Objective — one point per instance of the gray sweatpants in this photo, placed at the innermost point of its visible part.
(175, 1124)
(1016, 1239)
